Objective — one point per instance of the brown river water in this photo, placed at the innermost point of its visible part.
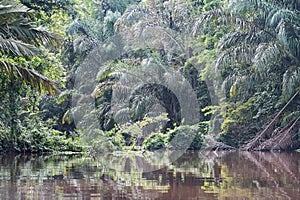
(195, 175)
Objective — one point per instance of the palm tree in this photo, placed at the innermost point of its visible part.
(263, 42)
(257, 60)
(148, 28)
(20, 37)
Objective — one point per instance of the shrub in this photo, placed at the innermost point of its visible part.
(155, 141)
(100, 141)
(45, 140)
(185, 136)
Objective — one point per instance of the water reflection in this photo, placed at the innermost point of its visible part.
(196, 175)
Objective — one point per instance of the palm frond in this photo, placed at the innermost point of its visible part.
(282, 15)
(251, 37)
(228, 82)
(13, 9)
(266, 54)
(14, 25)
(233, 17)
(264, 35)
(28, 32)
(236, 84)
(291, 81)
(122, 115)
(17, 48)
(237, 54)
(289, 38)
(29, 76)
(141, 104)
(101, 88)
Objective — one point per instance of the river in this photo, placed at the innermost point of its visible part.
(195, 175)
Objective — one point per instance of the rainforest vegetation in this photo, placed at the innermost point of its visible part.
(105, 75)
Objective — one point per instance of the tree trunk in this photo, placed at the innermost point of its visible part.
(268, 132)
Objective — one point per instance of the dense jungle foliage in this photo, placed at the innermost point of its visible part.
(145, 74)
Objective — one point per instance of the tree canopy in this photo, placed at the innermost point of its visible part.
(148, 74)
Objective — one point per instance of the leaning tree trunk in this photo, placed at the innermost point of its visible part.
(284, 140)
(268, 132)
